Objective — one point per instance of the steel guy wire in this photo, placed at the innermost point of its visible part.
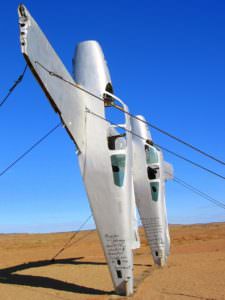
(20, 157)
(67, 243)
(162, 147)
(12, 88)
(55, 127)
(212, 157)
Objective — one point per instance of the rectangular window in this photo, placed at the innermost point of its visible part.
(151, 155)
(118, 167)
(154, 190)
(119, 274)
(116, 137)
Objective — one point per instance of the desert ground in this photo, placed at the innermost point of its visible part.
(195, 270)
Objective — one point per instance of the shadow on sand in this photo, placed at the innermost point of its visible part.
(7, 276)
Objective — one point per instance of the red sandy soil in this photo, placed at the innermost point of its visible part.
(195, 270)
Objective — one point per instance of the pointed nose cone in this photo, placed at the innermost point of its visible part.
(90, 68)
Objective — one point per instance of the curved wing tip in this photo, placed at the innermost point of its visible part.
(89, 42)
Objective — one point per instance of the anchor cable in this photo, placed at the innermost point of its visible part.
(51, 73)
(12, 88)
(162, 147)
(67, 243)
(20, 157)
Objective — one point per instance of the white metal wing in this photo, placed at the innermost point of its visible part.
(106, 170)
(41, 57)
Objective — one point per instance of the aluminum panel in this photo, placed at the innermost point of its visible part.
(67, 100)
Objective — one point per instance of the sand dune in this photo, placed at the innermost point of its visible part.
(196, 268)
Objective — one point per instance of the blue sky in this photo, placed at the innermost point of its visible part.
(167, 61)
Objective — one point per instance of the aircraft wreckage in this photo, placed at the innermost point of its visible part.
(120, 166)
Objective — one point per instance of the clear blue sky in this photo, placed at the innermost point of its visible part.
(167, 61)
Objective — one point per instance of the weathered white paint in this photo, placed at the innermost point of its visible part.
(113, 167)
(112, 205)
(152, 207)
(66, 100)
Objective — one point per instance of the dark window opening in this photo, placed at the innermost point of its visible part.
(113, 140)
(115, 168)
(156, 253)
(154, 189)
(118, 262)
(151, 173)
(108, 100)
(109, 88)
(119, 274)
(116, 138)
(149, 142)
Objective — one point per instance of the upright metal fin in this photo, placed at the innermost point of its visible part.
(90, 68)
(149, 187)
(106, 172)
